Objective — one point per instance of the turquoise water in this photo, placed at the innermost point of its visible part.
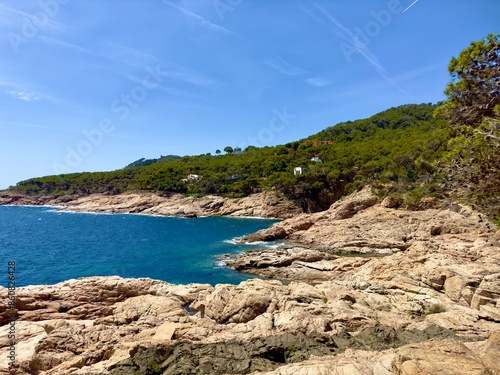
(50, 246)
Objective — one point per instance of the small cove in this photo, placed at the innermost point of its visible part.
(51, 246)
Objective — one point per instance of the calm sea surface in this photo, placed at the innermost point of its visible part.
(50, 246)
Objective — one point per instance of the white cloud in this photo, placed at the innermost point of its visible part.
(24, 96)
(283, 66)
(189, 76)
(417, 73)
(107, 50)
(352, 39)
(360, 46)
(318, 82)
(63, 44)
(179, 73)
(35, 126)
(202, 21)
(131, 56)
(24, 91)
(310, 13)
(16, 16)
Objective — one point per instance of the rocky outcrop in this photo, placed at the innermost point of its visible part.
(360, 224)
(447, 357)
(234, 356)
(429, 358)
(365, 289)
(111, 325)
(266, 204)
(94, 321)
(282, 256)
(263, 353)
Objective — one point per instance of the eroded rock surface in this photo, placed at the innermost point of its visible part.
(419, 293)
(258, 325)
(361, 224)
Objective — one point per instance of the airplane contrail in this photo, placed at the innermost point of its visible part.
(412, 4)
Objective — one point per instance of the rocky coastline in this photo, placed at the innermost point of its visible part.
(362, 288)
(266, 204)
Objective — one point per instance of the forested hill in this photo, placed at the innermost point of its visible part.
(394, 118)
(399, 146)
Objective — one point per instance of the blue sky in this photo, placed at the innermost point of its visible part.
(94, 85)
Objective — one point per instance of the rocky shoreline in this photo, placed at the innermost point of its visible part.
(369, 289)
(265, 204)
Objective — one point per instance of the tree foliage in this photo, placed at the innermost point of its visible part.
(473, 109)
(474, 90)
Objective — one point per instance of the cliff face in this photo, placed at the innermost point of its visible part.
(375, 291)
(266, 204)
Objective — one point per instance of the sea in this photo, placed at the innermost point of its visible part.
(49, 246)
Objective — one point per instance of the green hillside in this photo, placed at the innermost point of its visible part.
(398, 146)
(409, 152)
